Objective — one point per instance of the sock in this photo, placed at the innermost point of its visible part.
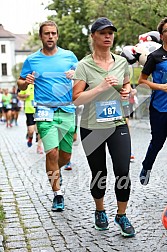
(100, 211)
(59, 192)
(118, 216)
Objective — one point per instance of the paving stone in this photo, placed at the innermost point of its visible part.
(13, 225)
(32, 224)
(78, 250)
(12, 238)
(40, 242)
(1, 239)
(16, 245)
(12, 220)
(27, 199)
(13, 231)
(43, 249)
(19, 250)
(11, 215)
(36, 235)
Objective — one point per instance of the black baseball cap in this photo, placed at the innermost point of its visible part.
(102, 23)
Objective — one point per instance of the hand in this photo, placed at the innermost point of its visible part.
(133, 91)
(124, 94)
(112, 80)
(30, 78)
(69, 74)
(108, 82)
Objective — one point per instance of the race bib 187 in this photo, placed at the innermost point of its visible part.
(108, 111)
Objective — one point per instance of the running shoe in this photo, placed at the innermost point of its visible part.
(144, 176)
(68, 167)
(132, 158)
(29, 142)
(126, 227)
(39, 150)
(9, 125)
(101, 220)
(58, 203)
(164, 218)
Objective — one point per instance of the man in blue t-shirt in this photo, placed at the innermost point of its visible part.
(51, 70)
(156, 65)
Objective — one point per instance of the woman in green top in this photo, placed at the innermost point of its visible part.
(101, 84)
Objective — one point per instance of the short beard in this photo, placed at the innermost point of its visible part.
(48, 48)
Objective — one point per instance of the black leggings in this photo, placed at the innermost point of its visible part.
(119, 145)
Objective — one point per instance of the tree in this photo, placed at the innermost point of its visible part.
(16, 70)
(74, 17)
(71, 17)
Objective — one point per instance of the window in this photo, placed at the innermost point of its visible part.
(3, 49)
(4, 69)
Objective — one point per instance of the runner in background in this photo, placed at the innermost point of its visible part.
(15, 106)
(28, 97)
(78, 113)
(7, 107)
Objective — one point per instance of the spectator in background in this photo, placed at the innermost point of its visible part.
(7, 107)
(15, 105)
(28, 97)
(128, 106)
(78, 112)
(132, 101)
(1, 104)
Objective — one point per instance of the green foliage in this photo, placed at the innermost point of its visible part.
(16, 70)
(34, 42)
(74, 17)
(135, 72)
(71, 36)
(73, 25)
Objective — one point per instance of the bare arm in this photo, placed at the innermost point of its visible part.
(23, 83)
(126, 88)
(22, 96)
(82, 97)
(143, 79)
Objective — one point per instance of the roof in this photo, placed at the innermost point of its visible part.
(20, 42)
(4, 33)
(20, 39)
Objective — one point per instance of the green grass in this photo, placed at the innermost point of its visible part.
(2, 214)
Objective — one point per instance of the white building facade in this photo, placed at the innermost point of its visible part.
(12, 52)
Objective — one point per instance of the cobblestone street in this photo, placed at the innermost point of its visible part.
(31, 226)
